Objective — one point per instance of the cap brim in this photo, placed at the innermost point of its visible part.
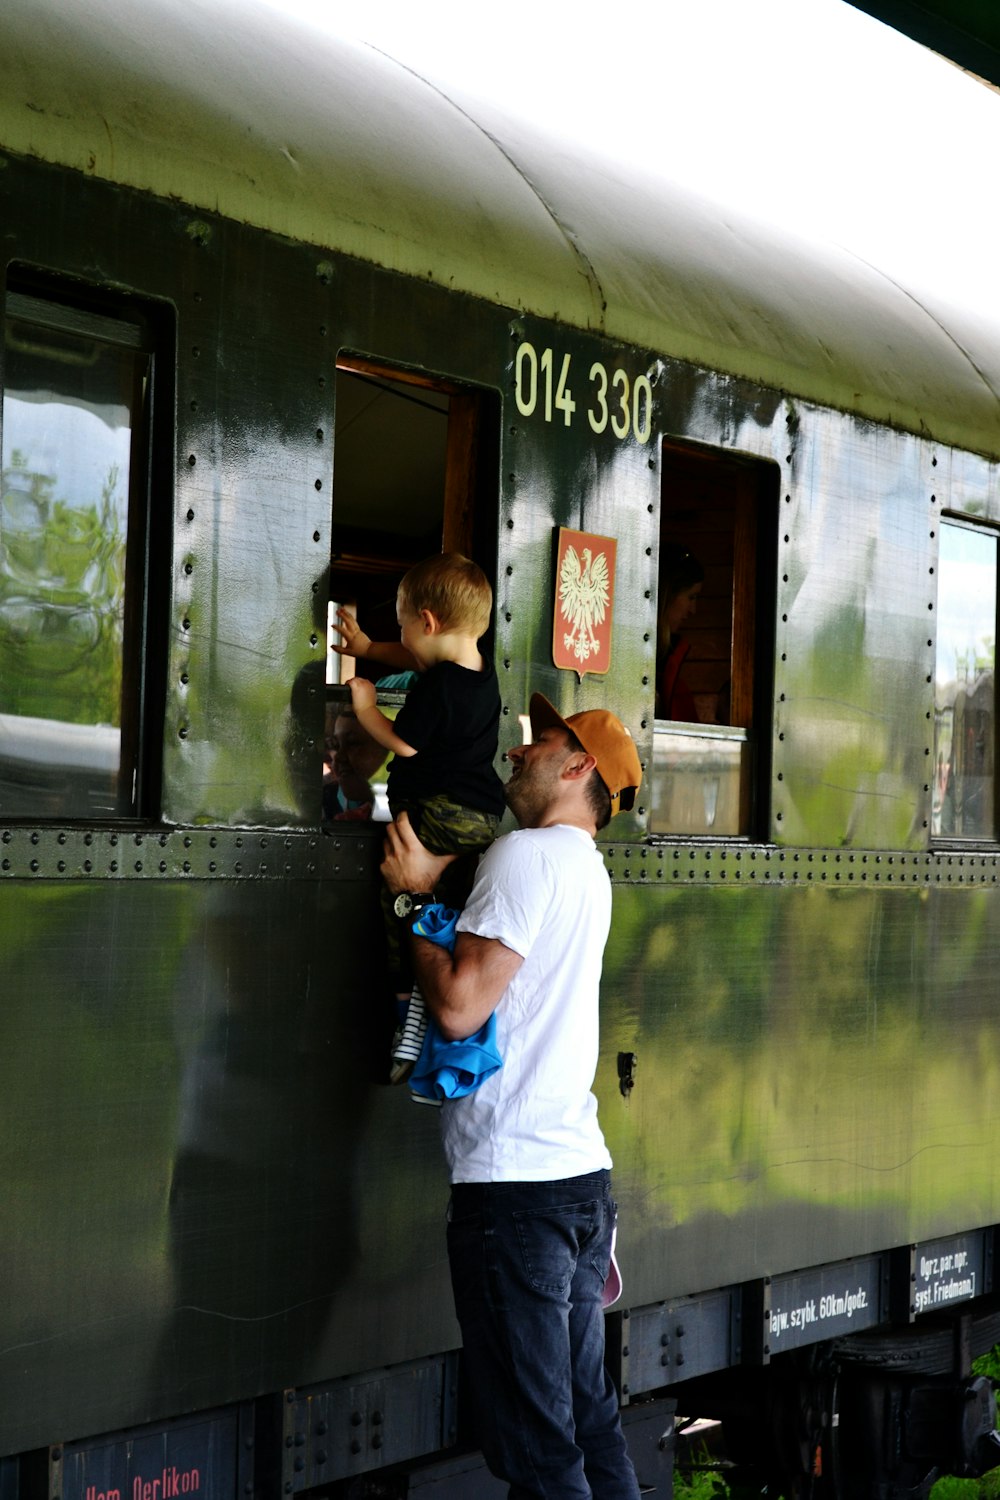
(544, 716)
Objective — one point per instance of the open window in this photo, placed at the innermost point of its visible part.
(77, 397)
(415, 473)
(964, 798)
(714, 630)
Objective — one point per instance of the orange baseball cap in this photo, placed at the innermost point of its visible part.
(604, 737)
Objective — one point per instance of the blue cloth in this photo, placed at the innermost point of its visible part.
(529, 1261)
(397, 682)
(437, 924)
(447, 1070)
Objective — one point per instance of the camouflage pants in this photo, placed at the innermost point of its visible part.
(444, 827)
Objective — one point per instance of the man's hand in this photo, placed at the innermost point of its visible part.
(407, 865)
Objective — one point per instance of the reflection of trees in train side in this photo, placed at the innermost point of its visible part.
(257, 756)
(852, 749)
(62, 586)
(824, 1045)
(198, 1174)
(851, 633)
(262, 1229)
(87, 1075)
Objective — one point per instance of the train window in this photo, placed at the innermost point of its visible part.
(415, 472)
(76, 393)
(713, 614)
(964, 802)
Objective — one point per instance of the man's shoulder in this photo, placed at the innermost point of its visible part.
(556, 844)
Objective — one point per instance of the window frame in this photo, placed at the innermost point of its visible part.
(136, 325)
(978, 526)
(469, 498)
(755, 481)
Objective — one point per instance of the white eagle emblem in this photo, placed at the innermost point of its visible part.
(584, 591)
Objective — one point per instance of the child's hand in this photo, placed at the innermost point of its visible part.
(363, 694)
(353, 641)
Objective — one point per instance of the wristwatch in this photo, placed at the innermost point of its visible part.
(408, 905)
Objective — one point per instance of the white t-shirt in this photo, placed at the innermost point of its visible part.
(545, 894)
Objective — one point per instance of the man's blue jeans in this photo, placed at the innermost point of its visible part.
(528, 1266)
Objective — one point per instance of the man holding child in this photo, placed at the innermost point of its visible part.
(531, 1217)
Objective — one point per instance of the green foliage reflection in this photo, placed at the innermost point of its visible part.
(62, 590)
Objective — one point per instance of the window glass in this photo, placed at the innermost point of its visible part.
(73, 394)
(715, 510)
(964, 705)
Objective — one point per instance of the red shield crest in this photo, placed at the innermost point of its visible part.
(585, 596)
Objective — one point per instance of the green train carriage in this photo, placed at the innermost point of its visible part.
(281, 319)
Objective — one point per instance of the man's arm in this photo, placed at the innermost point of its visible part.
(462, 988)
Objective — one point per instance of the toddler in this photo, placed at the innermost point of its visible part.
(443, 739)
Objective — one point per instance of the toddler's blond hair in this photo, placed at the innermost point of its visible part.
(453, 588)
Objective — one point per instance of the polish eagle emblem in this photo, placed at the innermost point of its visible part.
(584, 595)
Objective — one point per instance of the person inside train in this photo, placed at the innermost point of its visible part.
(681, 579)
(444, 742)
(351, 759)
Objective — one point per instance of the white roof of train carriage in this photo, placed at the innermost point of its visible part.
(232, 107)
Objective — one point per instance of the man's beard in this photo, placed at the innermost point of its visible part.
(529, 789)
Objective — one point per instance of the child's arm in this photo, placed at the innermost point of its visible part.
(373, 720)
(354, 642)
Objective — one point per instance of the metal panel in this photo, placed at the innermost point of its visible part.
(463, 1478)
(854, 709)
(827, 1302)
(816, 1062)
(73, 854)
(955, 1269)
(209, 1457)
(334, 1431)
(681, 1339)
(564, 474)
(189, 1173)
(243, 734)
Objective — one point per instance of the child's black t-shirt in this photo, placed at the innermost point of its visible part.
(450, 717)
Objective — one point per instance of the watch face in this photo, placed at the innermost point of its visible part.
(403, 904)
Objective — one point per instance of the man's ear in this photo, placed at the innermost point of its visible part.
(579, 764)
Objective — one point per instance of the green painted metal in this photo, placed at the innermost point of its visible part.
(206, 1198)
(818, 1074)
(231, 108)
